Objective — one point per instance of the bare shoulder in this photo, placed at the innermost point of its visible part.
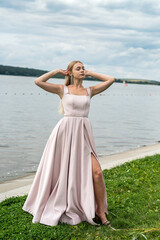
(61, 90)
(91, 91)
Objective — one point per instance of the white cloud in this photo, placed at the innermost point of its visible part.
(120, 38)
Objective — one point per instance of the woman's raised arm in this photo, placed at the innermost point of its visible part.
(50, 87)
(108, 81)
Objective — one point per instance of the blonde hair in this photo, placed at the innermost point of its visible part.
(67, 82)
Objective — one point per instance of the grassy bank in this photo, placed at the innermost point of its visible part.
(133, 193)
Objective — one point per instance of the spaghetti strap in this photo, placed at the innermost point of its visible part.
(65, 89)
(88, 90)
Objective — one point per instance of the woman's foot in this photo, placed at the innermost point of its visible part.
(101, 218)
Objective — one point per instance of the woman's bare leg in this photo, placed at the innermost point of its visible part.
(99, 188)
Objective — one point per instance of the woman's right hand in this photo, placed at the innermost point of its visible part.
(63, 72)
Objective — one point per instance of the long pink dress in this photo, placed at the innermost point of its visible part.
(63, 188)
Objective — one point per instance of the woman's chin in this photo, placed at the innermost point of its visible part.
(82, 76)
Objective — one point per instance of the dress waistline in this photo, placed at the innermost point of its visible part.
(75, 116)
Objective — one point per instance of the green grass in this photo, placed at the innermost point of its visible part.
(133, 193)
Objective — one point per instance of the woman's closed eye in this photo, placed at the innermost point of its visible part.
(79, 68)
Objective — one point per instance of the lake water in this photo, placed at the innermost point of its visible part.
(122, 118)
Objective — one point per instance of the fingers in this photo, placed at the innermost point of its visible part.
(65, 72)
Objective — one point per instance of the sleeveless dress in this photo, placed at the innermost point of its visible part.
(63, 190)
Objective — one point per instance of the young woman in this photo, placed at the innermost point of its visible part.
(69, 185)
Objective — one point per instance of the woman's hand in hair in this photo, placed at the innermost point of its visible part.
(63, 72)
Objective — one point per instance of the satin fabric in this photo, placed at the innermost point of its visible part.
(63, 190)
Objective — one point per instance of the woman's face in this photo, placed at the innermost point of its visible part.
(78, 70)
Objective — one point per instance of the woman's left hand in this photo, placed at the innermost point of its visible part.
(87, 73)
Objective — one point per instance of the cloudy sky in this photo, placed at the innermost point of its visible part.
(120, 38)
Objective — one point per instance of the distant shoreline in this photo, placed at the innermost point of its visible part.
(31, 72)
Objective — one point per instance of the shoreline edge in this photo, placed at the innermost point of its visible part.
(21, 185)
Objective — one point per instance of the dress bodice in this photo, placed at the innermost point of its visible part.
(76, 105)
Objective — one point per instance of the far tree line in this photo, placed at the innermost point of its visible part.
(31, 72)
